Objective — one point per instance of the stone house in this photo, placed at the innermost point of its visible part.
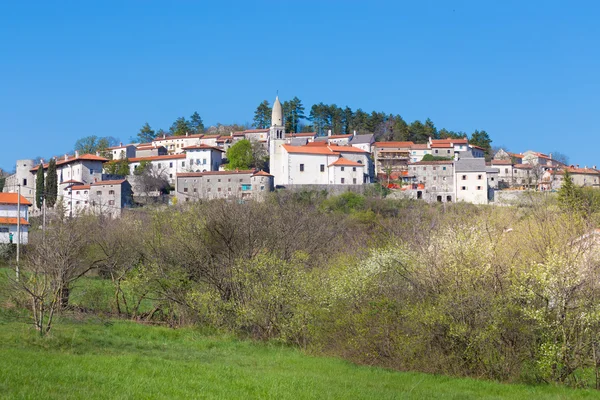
(210, 185)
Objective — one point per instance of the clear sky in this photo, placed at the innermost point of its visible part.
(525, 71)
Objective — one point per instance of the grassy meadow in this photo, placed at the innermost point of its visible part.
(97, 358)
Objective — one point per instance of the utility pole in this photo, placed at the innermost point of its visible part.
(18, 227)
(44, 217)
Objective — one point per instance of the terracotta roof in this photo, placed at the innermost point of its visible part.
(202, 147)
(211, 136)
(419, 146)
(199, 174)
(261, 173)
(584, 171)
(344, 162)
(197, 136)
(11, 198)
(70, 159)
(442, 145)
(302, 134)
(501, 162)
(113, 182)
(254, 131)
(12, 221)
(450, 140)
(340, 136)
(439, 162)
(80, 187)
(156, 158)
(523, 166)
(122, 146)
(324, 144)
(70, 181)
(393, 144)
(477, 147)
(319, 150)
(346, 149)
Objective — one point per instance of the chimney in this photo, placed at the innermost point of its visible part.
(76, 153)
(97, 154)
(354, 133)
(550, 155)
(164, 136)
(577, 165)
(121, 144)
(66, 157)
(329, 132)
(187, 133)
(42, 161)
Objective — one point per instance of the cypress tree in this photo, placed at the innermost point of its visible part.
(40, 187)
(569, 197)
(51, 184)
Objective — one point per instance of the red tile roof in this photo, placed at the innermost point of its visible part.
(202, 147)
(80, 187)
(477, 147)
(501, 162)
(12, 198)
(261, 173)
(113, 182)
(211, 136)
(340, 136)
(70, 181)
(196, 136)
(393, 144)
(302, 134)
(419, 146)
(523, 166)
(444, 145)
(12, 221)
(346, 149)
(439, 162)
(70, 159)
(582, 171)
(344, 162)
(157, 158)
(199, 174)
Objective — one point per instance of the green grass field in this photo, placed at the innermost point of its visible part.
(95, 359)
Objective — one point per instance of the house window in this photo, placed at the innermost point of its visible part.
(171, 165)
(354, 169)
(85, 192)
(185, 190)
(436, 151)
(77, 192)
(354, 181)
(448, 151)
(208, 180)
(322, 167)
(301, 167)
(77, 202)
(219, 180)
(443, 168)
(343, 180)
(24, 182)
(111, 192)
(229, 180)
(171, 176)
(434, 168)
(159, 165)
(506, 170)
(246, 187)
(464, 177)
(478, 187)
(262, 188)
(229, 189)
(208, 190)
(111, 202)
(342, 169)
(183, 163)
(479, 177)
(195, 190)
(98, 193)
(218, 189)
(444, 178)
(463, 188)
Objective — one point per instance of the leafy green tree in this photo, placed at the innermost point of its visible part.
(418, 132)
(430, 129)
(240, 155)
(196, 123)
(51, 184)
(400, 129)
(347, 116)
(92, 144)
(431, 157)
(180, 127)
(262, 115)
(482, 139)
(146, 134)
(40, 186)
(359, 121)
(117, 167)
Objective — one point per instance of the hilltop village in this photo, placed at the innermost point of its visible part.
(193, 166)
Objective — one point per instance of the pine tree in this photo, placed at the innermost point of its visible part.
(51, 184)
(262, 115)
(196, 123)
(40, 187)
(146, 134)
(569, 196)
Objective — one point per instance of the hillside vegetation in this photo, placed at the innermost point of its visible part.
(507, 294)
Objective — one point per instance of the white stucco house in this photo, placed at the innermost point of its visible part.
(10, 210)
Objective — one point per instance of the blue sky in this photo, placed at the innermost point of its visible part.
(526, 72)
